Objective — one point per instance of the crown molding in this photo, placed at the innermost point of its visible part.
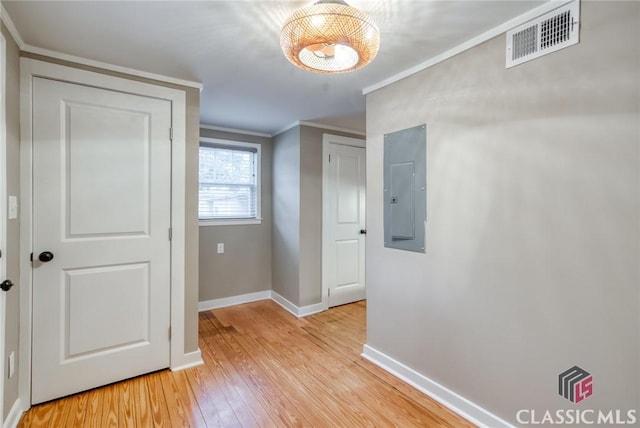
(490, 34)
(286, 128)
(6, 19)
(235, 131)
(332, 128)
(320, 126)
(111, 67)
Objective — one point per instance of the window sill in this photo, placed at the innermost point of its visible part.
(230, 222)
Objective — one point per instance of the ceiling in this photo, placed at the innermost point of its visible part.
(232, 48)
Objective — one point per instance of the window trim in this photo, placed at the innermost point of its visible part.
(238, 145)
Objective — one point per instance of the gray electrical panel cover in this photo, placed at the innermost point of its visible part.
(405, 188)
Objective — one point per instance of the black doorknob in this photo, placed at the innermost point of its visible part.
(363, 231)
(45, 256)
(6, 285)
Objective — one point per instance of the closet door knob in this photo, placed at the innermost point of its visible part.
(6, 285)
(45, 256)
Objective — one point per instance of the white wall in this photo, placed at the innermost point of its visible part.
(532, 242)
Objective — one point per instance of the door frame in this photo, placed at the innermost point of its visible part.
(327, 141)
(30, 69)
(3, 211)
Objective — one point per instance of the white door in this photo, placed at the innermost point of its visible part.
(101, 250)
(344, 220)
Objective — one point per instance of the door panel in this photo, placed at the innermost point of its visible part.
(93, 296)
(101, 205)
(106, 169)
(347, 255)
(346, 218)
(347, 188)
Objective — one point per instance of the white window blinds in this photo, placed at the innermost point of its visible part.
(228, 182)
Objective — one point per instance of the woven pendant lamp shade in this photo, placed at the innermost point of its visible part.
(330, 37)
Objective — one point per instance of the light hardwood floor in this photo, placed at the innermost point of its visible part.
(263, 368)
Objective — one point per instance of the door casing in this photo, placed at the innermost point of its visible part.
(30, 68)
(327, 140)
(3, 213)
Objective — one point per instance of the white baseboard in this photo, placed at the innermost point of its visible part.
(446, 397)
(190, 359)
(284, 303)
(233, 300)
(14, 415)
(310, 309)
(296, 310)
(299, 311)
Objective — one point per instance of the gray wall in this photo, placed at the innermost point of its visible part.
(12, 252)
(286, 215)
(310, 215)
(191, 279)
(297, 214)
(532, 237)
(245, 265)
(191, 193)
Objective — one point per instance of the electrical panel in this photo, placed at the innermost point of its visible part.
(405, 188)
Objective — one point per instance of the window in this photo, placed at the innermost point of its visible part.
(229, 178)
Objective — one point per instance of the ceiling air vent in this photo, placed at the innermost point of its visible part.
(545, 34)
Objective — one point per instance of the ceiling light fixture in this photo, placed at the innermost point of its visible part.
(330, 37)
